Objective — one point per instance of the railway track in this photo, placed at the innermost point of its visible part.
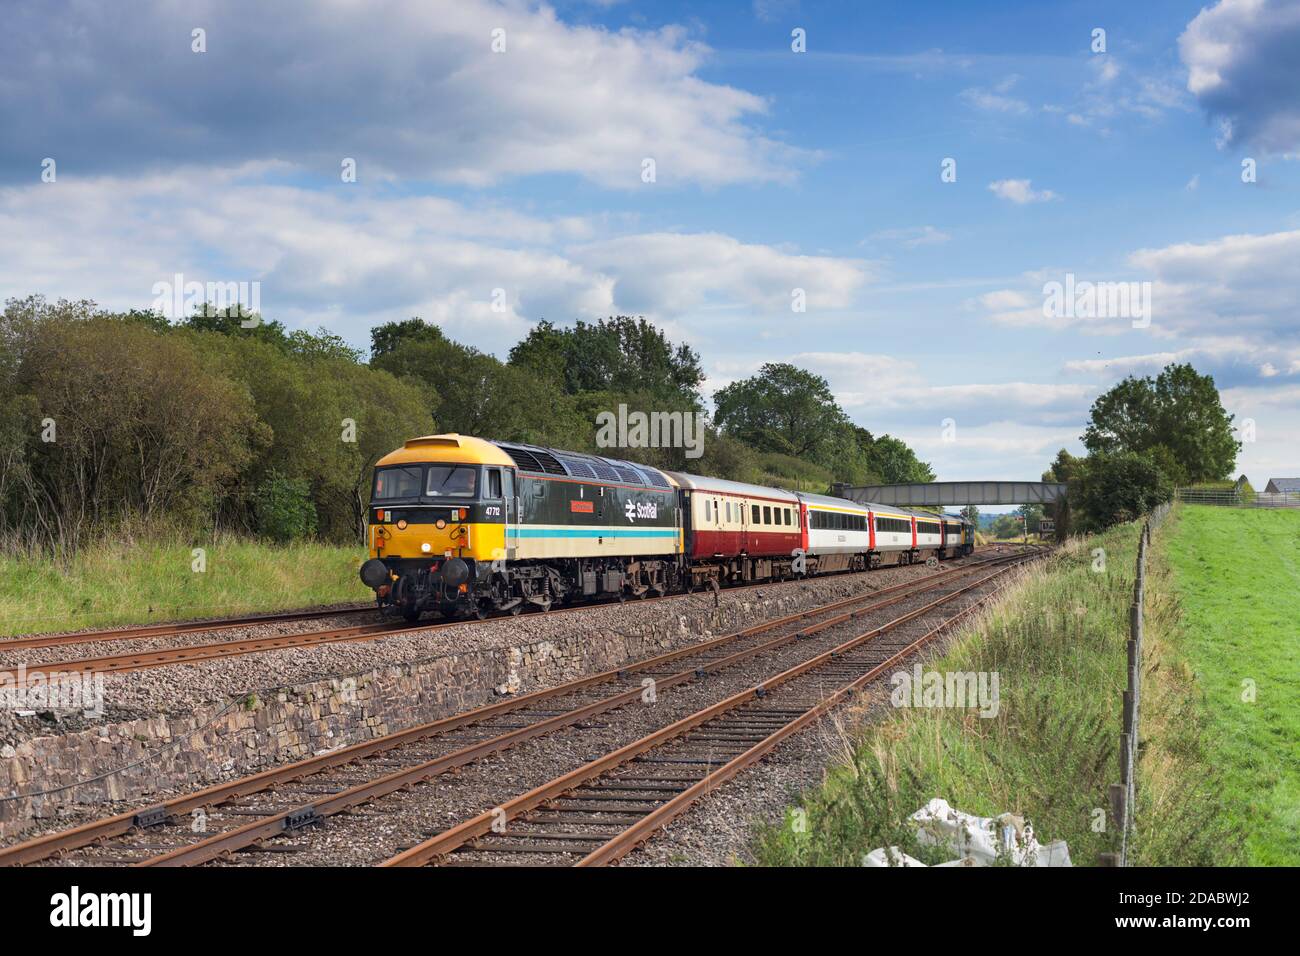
(245, 812)
(143, 659)
(597, 814)
(170, 630)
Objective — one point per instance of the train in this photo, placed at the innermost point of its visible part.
(465, 526)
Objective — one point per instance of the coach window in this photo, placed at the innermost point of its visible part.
(767, 514)
(755, 518)
(706, 509)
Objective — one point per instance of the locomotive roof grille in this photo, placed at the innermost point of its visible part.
(630, 475)
(522, 458)
(575, 465)
(535, 459)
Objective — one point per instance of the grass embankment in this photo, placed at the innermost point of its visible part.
(146, 582)
(1236, 575)
(1057, 644)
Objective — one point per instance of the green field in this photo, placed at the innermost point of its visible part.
(141, 582)
(1236, 574)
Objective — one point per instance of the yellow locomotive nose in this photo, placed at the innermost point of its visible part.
(403, 539)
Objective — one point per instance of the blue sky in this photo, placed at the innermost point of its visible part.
(522, 170)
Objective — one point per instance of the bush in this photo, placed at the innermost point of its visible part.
(285, 511)
(1114, 488)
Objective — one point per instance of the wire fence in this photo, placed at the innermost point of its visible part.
(1123, 795)
(1233, 498)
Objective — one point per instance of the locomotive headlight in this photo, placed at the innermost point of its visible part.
(440, 524)
(401, 525)
(425, 548)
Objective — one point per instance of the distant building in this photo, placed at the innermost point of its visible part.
(1277, 486)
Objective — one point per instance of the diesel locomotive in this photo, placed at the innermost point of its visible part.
(465, 526)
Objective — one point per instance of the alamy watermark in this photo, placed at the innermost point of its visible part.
(964, 690)
(176, 298)
(35, 691)
(1081, 299)
(626, 429)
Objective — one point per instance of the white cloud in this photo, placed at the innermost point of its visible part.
(670, 272)
(411, 89)
(1020, 191)
(1243, 69)
(351, 258)
(993, 101)
(1230, 285)
(912, 237)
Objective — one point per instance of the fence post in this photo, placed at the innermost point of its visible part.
(1123, 795)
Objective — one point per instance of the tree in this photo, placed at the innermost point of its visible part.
(618, 354)
(1032, 516)
(972, 514)
(896, 463)
(285, 511)
(141, 426)
(782, 409)
(476, 394)
(1176, 420)
(1122, 486)
(387, 337)
(1007, 526)
(235, 321)
(1065, 469)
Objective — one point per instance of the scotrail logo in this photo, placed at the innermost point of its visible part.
(640, 509)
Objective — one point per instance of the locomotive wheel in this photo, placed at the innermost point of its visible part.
(412, 614)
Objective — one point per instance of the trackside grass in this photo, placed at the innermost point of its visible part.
(1236, 577)
(153, 581)
(1056, 641)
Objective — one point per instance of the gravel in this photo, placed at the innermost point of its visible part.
(182, 688)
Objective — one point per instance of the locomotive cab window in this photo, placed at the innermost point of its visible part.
(494, 483)
(400, 482)
(451, 481)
